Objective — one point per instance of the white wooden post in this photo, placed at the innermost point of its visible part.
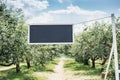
(109, 61)
(115, 47)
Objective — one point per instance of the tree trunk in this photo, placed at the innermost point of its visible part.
(6, 64)
(102, 64)
(28, 62)
(93, 63)
(104, 61)
(51, 57)
(17, 65)
(86, 61)
(102, 68)
(17, 68)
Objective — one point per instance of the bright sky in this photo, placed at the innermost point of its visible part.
(65, 11)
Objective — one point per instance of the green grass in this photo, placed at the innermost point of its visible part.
(72, 65)
(25, 74)
(1, 66)
(51, 65)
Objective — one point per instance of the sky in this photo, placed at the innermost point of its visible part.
(65, 11)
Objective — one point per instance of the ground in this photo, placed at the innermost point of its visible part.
(60, 73)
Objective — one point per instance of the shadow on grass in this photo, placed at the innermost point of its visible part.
(82, 69)
(48, 67)
(12, 75)
(43, 69)
(26, 74)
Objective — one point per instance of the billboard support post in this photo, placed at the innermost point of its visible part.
(115, 47)
(113, 51)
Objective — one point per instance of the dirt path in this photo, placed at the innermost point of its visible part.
(6, 68)
(58, 71)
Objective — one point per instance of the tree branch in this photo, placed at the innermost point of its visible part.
(6, 64)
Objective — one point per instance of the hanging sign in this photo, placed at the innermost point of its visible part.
(42, 34)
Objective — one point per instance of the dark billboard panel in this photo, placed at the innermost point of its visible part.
(50, 34)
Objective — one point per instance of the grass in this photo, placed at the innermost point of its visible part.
(27, 74)
(1, 66)
(81, 69)
(51, 65)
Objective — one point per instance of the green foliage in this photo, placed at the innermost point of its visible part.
(42, 54)
(12, 36)
(93, 43)
(14, 47)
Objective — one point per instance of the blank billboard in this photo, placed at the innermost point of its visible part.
(50, 34)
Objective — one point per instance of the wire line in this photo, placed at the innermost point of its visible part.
(91, 20)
